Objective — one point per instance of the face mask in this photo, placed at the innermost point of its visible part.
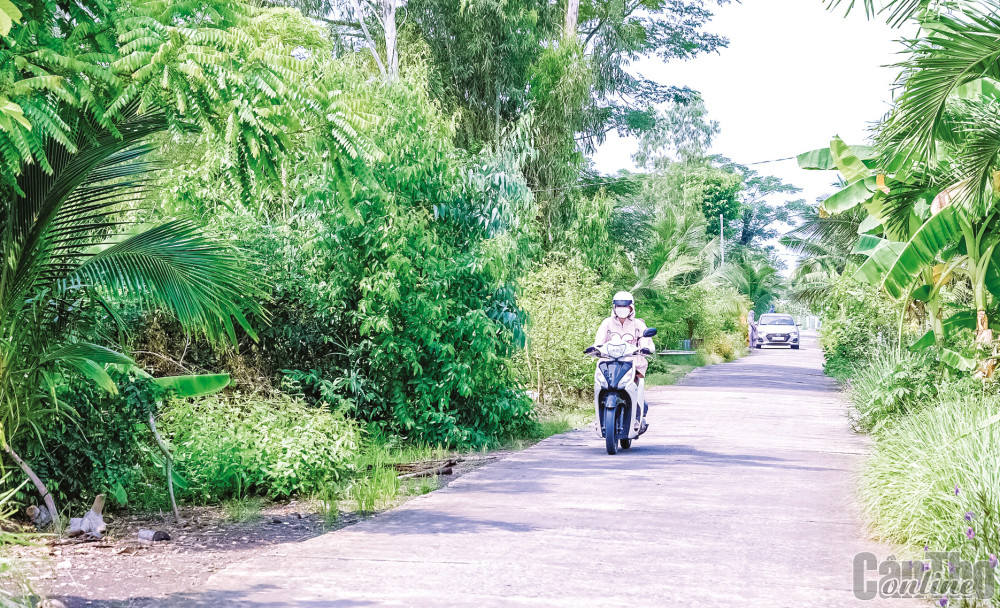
(622, 311)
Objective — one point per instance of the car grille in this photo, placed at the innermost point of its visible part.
(777, 337)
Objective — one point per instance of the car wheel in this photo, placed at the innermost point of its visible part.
(795, 347)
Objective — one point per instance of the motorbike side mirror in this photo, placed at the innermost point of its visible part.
(645, 351)
(649, 333)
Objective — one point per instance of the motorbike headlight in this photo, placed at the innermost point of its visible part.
(616, 350)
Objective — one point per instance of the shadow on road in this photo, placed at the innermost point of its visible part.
(216, 599)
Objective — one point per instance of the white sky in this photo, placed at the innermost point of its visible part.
(794, 75)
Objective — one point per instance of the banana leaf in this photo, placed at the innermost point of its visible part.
(921, 250)
(194, 386)
(953, 359)
(867, 243)
(848, 162)
(850, 196)
(992, 279)
(922, 293)
(869, 223)
(925, 341)
(964, 319)
(822, 159)
(879, 261)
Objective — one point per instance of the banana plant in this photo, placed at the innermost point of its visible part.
(967, 244)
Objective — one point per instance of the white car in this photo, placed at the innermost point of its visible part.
(776, 329)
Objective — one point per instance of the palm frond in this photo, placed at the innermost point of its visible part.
(176, 267)
(962, 49)
(899, 11)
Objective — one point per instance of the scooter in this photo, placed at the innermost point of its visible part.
(618, 399)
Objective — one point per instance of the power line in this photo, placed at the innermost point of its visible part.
(774, 160)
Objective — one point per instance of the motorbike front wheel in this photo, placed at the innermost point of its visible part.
(610, 423)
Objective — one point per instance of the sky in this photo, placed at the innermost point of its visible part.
(793, 76)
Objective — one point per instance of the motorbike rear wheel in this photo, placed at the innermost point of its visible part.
(611, 424)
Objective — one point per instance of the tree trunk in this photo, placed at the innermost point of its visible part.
(368, 38)
(169, 466)
(50, 502)
(572, 13)
(389, 27)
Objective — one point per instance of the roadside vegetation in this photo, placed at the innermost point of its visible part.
(251, 252)
(901, 263)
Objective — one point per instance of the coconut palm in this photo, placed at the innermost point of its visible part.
(65, 263)
(679, 249)
(753, 275)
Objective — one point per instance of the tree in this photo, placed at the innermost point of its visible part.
(756, 223)
(753, 275)
(899, 11)
(210, 65)
(483, 55)
(681, 132)
(78, 104)
(64, 260)
(615, 34)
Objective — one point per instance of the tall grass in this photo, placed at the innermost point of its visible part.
(909, 483)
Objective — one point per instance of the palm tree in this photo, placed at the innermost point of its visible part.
(679, 249)
(65, 262)
(825, 244)
(755, 276)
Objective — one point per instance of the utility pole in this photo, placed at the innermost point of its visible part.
(722, 241)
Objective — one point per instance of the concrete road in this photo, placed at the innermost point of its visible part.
(741, 494)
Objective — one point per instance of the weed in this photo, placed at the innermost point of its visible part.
(378, 489)
(892, 384)
(243, 510)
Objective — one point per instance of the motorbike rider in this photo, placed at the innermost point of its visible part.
(622, 323)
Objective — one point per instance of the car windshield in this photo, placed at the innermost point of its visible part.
(776, 320)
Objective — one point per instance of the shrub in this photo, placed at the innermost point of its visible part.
(932, 468)
(890, 385)
(92, 443)
(859, 321)
(728, 346)
(229, 448)
(395, 290)
(566, 303)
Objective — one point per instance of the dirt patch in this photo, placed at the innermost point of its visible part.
(121, 572)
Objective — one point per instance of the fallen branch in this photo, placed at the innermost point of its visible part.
(427, 473)
(43, 491)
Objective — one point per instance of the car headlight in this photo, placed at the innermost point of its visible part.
(616, 350)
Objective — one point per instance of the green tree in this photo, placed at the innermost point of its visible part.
(65, 262)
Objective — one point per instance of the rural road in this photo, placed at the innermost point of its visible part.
(739, 495)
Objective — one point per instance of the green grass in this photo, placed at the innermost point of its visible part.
(908, 486)
(243, 510)
(670, 374)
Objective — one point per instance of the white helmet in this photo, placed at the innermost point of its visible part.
(623, 298)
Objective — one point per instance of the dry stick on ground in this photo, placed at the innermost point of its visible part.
(50, 502)
(170, 466)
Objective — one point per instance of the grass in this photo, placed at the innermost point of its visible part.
(670, 374)
(909, 484)
(244, 510)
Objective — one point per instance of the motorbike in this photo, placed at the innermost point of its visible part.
(618, 399)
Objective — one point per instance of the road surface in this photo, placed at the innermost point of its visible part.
(741, 494)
